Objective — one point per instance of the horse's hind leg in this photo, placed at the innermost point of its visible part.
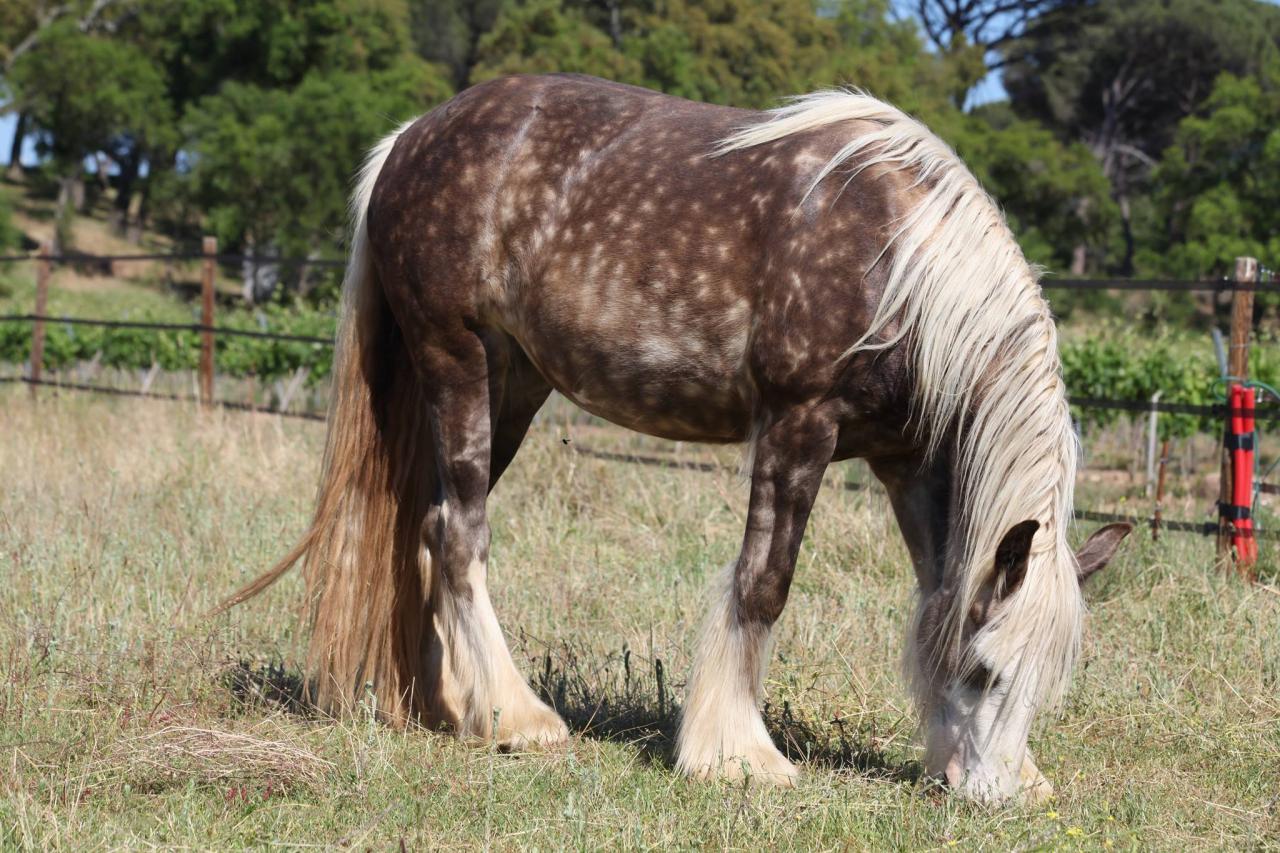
(722, 733)
(522, 392)
(480, 680)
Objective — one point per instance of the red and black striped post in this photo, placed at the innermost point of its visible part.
(1235, 493)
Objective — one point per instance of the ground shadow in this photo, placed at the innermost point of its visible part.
(622, 699)
(180, 285)
(271, 685)
(608, 699)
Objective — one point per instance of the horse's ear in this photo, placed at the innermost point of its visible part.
(1099, 548)
(1012, 554)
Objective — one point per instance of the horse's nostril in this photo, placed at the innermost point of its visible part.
(954, 774)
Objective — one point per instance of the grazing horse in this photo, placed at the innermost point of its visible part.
(821, 282)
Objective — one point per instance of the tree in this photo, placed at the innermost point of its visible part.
(81, 91)
(271, 167)
(742, 52)
(541, 36)
(1121, 76)
(885, 57)
(274, 103)
(607, 15)
(1218, 184)
(448, 32)
(202, 44)
(22, 25)
(971, 34)
(240, 74)
(1055, 195)
(986, 24)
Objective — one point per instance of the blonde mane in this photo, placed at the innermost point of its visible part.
(984, 351)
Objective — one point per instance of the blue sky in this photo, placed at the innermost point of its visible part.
(6, 141)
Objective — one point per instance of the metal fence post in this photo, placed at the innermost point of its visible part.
(1238, 370)
(210, 249)
(37, 330)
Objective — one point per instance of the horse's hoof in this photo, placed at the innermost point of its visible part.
(761, 764)
(1036, 789)
(537, 727)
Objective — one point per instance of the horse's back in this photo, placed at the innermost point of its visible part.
(590, 222)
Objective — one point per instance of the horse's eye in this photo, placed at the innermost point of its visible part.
(979, 678)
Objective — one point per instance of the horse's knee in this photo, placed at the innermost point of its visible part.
(459, 545)
(761, 595)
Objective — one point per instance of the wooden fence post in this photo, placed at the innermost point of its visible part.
(1238, 369)
(210, 249)
(37, 330)
(1159, 508)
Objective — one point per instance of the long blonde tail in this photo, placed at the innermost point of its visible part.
(367, 573)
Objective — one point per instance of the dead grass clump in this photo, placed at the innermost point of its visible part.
(179, 754)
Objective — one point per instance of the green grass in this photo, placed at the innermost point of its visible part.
(125, 722)
(95, 296)
(133, 289)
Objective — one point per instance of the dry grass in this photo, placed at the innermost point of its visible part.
(178, 754)
(127, 719)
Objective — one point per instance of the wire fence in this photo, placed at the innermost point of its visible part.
(173, 257)
(1221, 285)
(230, 405)
(1224, 285)
(1201, 528)
(1217, 411)
(165, 327)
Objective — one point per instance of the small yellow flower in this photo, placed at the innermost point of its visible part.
(1108, 843)
(1075, 832)
(1051, 815)
(1111, 817)
(952, 843)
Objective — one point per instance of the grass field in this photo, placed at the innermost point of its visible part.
(150, 289)
(127, 719)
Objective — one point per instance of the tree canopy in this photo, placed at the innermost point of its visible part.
(1137, 136)
(1119, 77)
(1217, 186)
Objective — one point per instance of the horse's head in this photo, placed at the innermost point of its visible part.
(977, 717)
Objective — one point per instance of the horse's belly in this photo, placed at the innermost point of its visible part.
(639, 365)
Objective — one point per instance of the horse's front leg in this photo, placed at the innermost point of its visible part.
(722, 733)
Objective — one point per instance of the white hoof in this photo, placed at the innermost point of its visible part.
(756, 763)
(534, 727)
(1035, 788)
